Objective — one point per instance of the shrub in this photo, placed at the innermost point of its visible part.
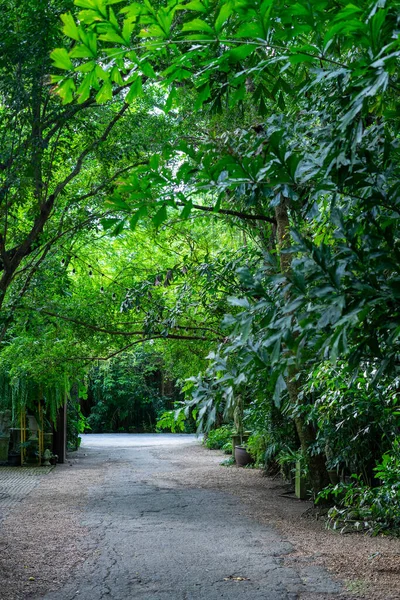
(218, 438)
(256, 446)
(362, 508)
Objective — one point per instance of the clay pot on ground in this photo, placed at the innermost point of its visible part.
(14, 459)
(242, 457)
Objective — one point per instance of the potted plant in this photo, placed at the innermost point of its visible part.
(242, 457)
(14, 456)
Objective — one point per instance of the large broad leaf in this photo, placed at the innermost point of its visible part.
(61, 59)
(187, 209)
(117, 203)
(81, 51)
(70, 29)
(280, 387)
(250, 30)
(135, 91)
(204, 92)
(198, 25)
(84, 89)
(171, 97)
(112, 36)
(223, 16)
(160, 216)
(241, 52)
(141, 212)
(105, 93)
(194, 5)
(66, 91)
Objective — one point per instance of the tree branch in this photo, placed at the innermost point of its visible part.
(233, 213)
(148, 339)
(122, 333)
(46, 207)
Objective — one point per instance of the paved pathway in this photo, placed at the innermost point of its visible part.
(158, 540)
(16, 483)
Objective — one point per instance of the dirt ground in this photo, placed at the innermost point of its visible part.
(42, 539)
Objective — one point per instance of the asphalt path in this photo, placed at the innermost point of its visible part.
(153, 539)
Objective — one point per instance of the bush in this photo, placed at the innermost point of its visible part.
(171, 420)
(218, 439)
(362, 508)
(256, 446)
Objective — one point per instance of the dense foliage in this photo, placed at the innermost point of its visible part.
(221, 178)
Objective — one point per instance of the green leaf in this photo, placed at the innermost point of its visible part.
(198, 25)
(204, 93)
(70, 29)
(223, 16)
(160, 216)
(109, 222)
(61, 60)
(242, 302)
(152, 31)
(84, 89)
(141, 212)
(66, 91)
(276, 352)
(171, 97)
(88, 17)
(280, 387)
(187, 209)
(112, 36)
(81, 51)
(113, 19)
(135, 91)
(250, 30)
(194, 5)
(164, 18)
(238, 94)
(105, 93)
(101, 73)
(119, 228)
(296, 59)
(154, 161)
(115, 76)
(127, 30)
(241, 52)
(89, 39)
(86, 67)
(147, 70)
(117, 203)
(86, 3)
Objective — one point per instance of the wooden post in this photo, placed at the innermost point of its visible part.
(60, 435)
(23, 434)
(300, 482)
(40, 432)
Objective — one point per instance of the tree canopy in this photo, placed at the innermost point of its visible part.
(222, 179)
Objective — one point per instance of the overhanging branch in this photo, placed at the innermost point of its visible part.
(232, 213)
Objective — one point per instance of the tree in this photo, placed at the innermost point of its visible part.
(324, 79)
(302, 158)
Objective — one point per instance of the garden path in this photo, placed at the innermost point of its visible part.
(152, 517)
(159, 538)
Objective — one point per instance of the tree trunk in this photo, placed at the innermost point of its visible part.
(318, 473)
